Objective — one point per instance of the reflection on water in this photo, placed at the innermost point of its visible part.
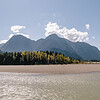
(50, 87)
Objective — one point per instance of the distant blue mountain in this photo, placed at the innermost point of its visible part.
(0, 51)
(1, 44)
(78, 50)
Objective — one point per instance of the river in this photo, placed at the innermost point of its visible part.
(24, 86)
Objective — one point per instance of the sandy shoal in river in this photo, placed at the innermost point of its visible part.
(51, 69)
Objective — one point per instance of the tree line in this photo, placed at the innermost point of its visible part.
(36, 57)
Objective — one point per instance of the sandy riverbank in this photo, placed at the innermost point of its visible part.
(55, 69)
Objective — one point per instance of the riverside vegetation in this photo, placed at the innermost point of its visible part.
(36, 57)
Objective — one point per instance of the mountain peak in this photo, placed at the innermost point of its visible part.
(19, 36)
(53, 35)
(19, 43)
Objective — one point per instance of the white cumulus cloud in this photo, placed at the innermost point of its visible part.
(25, 35)
(86, 40)
(11, 35)
(3, 41)
(17, 28)
(70, 34)
(87, 26)
(16, 31)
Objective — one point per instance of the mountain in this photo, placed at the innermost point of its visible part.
(78, 50)
(1, 44)
(18, 43)
(86, 51)
(0, 51)
(55, 43)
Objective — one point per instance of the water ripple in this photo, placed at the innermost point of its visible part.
(21, 86)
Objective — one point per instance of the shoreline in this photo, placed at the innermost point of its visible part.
(51, 69)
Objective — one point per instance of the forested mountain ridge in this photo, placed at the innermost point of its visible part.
(0, 51)
(77, 50)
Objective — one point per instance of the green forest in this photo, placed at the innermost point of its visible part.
(35, 58)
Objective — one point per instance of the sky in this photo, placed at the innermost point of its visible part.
(75, 20)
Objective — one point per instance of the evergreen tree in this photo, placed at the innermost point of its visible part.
(36, 57)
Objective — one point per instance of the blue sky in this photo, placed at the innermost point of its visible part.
(38, 16)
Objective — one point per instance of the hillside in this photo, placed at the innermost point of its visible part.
(78, 50)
